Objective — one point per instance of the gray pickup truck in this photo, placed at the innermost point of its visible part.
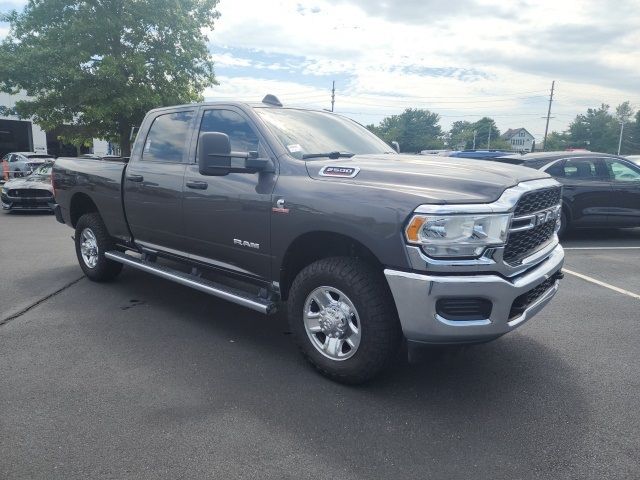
(260, 204)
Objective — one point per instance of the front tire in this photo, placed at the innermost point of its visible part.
(564, 225)
(343, 318)
(92, 241)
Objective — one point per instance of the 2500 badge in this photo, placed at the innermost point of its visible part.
(343, 172)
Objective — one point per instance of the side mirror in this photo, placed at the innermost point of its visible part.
(216, 158)
(214, 155)
(396, 146)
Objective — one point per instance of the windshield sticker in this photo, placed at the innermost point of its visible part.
(295, 148)
(342, 172)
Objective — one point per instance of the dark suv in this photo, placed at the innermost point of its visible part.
(600, 190)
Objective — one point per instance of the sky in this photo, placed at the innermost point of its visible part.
(463, 59)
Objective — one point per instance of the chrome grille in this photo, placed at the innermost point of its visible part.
(533, 224)
(522, 244)
(538, 200)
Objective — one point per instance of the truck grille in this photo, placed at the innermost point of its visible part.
(24, 192)
(538, 200)
(521, 244)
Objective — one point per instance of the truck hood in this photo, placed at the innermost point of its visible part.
(438, 180)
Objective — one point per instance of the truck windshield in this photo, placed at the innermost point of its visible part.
(310, 133)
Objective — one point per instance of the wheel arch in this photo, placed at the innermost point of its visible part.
(80, 204)
(316, 245)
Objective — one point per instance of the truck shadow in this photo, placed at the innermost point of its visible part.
(483, 404)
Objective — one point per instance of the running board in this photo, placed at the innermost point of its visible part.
(207, 286)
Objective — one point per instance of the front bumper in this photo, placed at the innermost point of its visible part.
(26, 203)
(57, 210)
(416, 295)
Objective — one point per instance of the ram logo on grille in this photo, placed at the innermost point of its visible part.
(547, 216)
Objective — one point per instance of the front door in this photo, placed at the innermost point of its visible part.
(153, 182)
(586, 189)
(228, 217)
(625, 178)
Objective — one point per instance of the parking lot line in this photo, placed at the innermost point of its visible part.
(602, 248)
(602, 284)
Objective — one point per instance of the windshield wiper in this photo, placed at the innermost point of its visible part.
(331, 155)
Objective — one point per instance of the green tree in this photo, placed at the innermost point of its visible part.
(488, 135)
(100, 65)
(460, 135)
(631, 143)
(415, 129)
(557, 141)
(624, 115)
(596, 130)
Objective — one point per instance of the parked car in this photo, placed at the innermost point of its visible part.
(33, 192)
(21, 164)
(260, 204)
(479, 154)
(634, 158)
(600, 190)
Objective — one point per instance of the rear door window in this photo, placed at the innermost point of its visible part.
(622, 172)
(167, 138)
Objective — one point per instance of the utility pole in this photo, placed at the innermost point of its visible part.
(546, 128)
(333, 94)
(489, 140)
(620, 141)
(474, 140)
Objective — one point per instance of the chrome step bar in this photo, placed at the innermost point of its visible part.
(207, 286)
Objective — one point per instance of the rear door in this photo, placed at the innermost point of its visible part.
(228, 217)
(153, 181)
(625, 179)
(587, 189)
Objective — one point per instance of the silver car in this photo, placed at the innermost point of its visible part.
(21, 164)
(33, 192)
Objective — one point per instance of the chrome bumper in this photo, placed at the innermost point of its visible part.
(416, 295)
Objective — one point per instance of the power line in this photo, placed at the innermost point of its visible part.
(401, 103)
(515, 95)
(377, 114)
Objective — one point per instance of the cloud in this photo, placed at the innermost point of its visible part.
(228, 60)
(463, 59)
(424, 11)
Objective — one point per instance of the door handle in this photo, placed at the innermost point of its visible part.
(135, 178)
(197, 185)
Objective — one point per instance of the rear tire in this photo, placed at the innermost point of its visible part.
(92, 241)
(343, 318)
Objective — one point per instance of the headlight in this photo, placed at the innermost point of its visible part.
(457, 235)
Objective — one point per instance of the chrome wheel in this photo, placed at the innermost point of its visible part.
(332, 323)
(89, 248)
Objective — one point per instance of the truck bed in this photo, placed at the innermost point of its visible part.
(92, 179)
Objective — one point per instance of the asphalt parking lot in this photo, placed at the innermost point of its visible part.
(146, 379)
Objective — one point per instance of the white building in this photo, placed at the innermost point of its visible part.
(519, 139)
(19, 135)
